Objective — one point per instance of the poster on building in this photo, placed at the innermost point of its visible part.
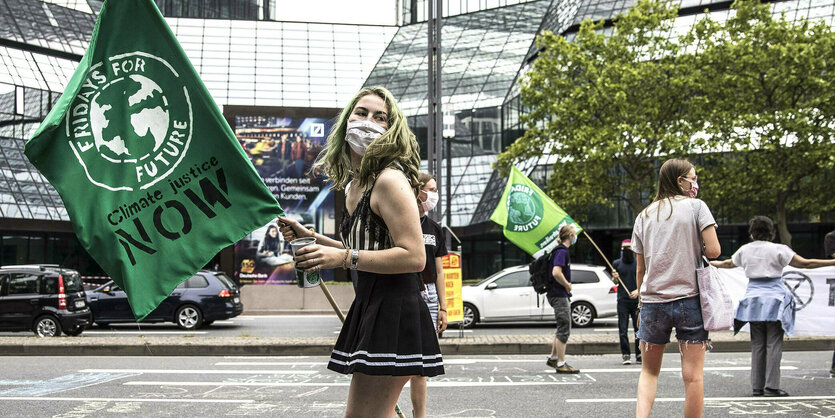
(452, 287)
(282, 150)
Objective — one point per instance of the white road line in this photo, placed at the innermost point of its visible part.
(165, 371)
(721, 399)
(253, 317)
(47, 398)
(147, 332)
(668, 369)
(273, 363)
(328, 384)
(260, 357)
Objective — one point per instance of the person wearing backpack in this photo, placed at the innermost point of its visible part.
(625, 270)
(559, 295)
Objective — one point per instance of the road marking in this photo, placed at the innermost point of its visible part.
(328, 384)
(722, 399)
(165, 371)
(272, 363)
(669, 369)
(260, 357)
(253, 317)
(46, 398)
(148, 332)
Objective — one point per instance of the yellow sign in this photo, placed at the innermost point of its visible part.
(452, 287)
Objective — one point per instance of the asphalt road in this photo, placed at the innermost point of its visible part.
(496, 386)
(313, 326)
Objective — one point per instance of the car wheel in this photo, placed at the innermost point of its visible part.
(188, 317)
(470, 316)
(75, 332)
(582, 314)
(47, 326)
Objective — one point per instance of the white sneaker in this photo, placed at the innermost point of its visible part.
(626, 359)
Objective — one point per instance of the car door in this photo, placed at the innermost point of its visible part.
(165, 310)
(512, 297)
(23, 300)
(112, 304)
(5, 322)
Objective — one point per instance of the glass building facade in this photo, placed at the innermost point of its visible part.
(246, 56)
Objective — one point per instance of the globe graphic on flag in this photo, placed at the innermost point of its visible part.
(129, 119)
(521, 208)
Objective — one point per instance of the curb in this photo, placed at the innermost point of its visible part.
(138, 346)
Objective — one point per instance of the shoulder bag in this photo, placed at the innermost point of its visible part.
(717, 306)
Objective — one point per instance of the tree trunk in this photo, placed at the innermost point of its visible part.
(635, 202)
(782, 227)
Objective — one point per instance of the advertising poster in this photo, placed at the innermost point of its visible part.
(452, 284)
(282, 150)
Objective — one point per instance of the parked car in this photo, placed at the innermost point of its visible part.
(507, 296)
(45, 299)
(206, 297)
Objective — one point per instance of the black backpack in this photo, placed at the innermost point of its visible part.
(540, 270)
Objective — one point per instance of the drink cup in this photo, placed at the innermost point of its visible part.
(304, 279)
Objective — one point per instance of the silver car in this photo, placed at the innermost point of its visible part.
(507, 296)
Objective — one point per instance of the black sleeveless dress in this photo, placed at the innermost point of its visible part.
(388, 330)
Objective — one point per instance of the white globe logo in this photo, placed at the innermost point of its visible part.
(142, 101)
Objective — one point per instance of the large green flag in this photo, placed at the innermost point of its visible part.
(531, 220)
(153, 179)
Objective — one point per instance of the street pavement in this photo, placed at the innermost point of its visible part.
(473, 386)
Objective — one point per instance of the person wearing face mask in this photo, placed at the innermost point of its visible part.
(767, 305)
(388, 335)
(433, 278)
(559, 296)
(625, 269)
(667, 241)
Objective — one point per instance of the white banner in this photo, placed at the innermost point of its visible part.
(814, 296)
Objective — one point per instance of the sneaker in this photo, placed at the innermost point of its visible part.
(551, 363)
(566, 369)
(757, 392)
(626, 359)
(638, 360)
(832, 371)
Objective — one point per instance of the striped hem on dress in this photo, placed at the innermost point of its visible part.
(386, 359)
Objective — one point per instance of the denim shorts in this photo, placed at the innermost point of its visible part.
(659, 319)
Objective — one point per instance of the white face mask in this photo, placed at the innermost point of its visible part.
(430, 202)
(361, 134)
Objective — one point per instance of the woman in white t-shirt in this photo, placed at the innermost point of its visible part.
(767, 306)
(667, 242)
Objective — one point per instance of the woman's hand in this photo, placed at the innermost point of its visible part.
(292, 229)
(442, 321)
(312, 258)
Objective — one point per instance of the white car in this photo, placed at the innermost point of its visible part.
(507, 296)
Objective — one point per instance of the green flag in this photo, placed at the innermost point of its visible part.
(531, 220)
(153, 179)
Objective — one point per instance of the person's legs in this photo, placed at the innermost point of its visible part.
(692, 372)
(648, 382)
(623, 327)
(558, 350)
(417, 389)
(633, 312)
(373, 396)
(758, 360)
(774, 345)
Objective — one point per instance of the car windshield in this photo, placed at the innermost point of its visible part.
(226, 281)
(488, 278)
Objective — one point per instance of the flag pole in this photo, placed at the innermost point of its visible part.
(341, 316)
(605, 259)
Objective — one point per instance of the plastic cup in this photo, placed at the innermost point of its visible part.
(304, 279)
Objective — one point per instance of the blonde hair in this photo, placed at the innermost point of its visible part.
(397, 148)
(566, 232)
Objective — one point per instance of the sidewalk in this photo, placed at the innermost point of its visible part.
(321, 346)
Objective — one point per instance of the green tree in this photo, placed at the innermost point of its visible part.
(770, 83)
(610, 105)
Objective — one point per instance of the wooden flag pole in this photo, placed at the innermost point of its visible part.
(341, 316)
(605, 259)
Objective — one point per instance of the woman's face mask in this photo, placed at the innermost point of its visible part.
(694, 187)
(361, 134)
(430, 202)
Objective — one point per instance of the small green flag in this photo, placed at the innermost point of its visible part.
(153, 179)
(531, 220)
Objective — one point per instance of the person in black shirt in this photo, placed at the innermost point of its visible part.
(432, 289)
(625, 269)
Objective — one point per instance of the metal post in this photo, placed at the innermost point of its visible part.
(434, 128)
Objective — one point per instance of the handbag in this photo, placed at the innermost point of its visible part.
(717, 306)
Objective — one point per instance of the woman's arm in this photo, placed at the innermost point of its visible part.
(810, 263)
(440, 287)
(291, 230)
(724, 264)
(712, 248)
(640, 270)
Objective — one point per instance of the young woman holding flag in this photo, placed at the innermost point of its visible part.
(388, 335)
